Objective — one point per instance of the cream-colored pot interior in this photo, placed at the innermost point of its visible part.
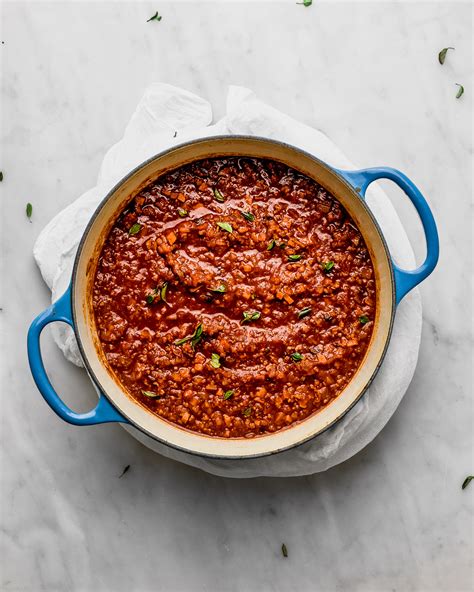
(85, 268)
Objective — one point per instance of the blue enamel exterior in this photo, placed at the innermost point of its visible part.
(404, 280)
(104, 412)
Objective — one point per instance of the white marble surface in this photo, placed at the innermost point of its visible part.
(393, 517)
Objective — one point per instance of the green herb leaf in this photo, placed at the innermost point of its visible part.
(29, 210)
(284, 550)
(126, 469)
(182, 213)
(248, 216)
(248, 412)
(294, 257)
(151, 298)
(304, 312)
(164, 288)
(296, 357)
(1, 176)
(250, 315)
(467, 480)
(327, 266)
(155, 17)
(282, 245)
(194, 338)
(215, 361)
(228, 395)
(364, 319)
(218, 195)
(442, 54)
(220, 289)
(135, 229)
(460, 91)
(271, 245)
(150, 394)
(306, 2)
(225, 226)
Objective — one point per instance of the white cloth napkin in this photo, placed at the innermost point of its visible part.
(164, 110)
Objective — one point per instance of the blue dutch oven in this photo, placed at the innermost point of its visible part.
(75, 306)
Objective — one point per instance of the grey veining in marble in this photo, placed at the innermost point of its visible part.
(393, 517)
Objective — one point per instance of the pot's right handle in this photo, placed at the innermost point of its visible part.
(404, 280)
(104, 412)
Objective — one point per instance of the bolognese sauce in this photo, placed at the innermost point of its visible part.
(234, 297)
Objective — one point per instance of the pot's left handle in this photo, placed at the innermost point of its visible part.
(104, 412)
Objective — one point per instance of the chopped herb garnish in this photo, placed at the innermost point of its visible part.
(155, 17)
(228, 395)
(249, 315)
(150, 394)
(248, 412)
(442, 54)
(364, 319)
(220, 289)
(304, 312)
(159, 292)
(284, 550)
(460, 91)
(218, 195)
(306, 2)
(182, 213)
(294, 257)
(163, 290)
(194, 338)
(126, 469)
(1, 176)
(327, 266)
(215, 361)
(135, 229)
(467, 480)
(282, 245)
(296, 357)
(248, 216)
(271, 245)
(151, 297)
(225, 226)
(29, 210)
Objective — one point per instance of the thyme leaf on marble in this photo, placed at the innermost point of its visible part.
(327, 266)
(125, 470)
(215, 361)
(1, 176)
(248, 216)
(150, 394)
(218, 195)
(442, 54)
(194, 338)
(29, 210)
(155, 17)
(134, 229)
(467, 480)
(296, 357)
(225, 226)
(305, 3)
(228, 394)
(294, 257)
(304, 312)
(250, 315)
(284, 550)
(182, 213)
(460, 90)
(363, 319)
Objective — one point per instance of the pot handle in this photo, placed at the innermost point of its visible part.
(104, 412)
(404, 280)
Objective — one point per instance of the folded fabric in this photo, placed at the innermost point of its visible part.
(166, 116)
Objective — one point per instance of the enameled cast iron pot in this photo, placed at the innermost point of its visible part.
(75, 306)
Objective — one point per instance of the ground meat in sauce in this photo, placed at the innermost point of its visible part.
(234, 297)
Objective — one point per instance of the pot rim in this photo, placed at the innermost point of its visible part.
(363, 390)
